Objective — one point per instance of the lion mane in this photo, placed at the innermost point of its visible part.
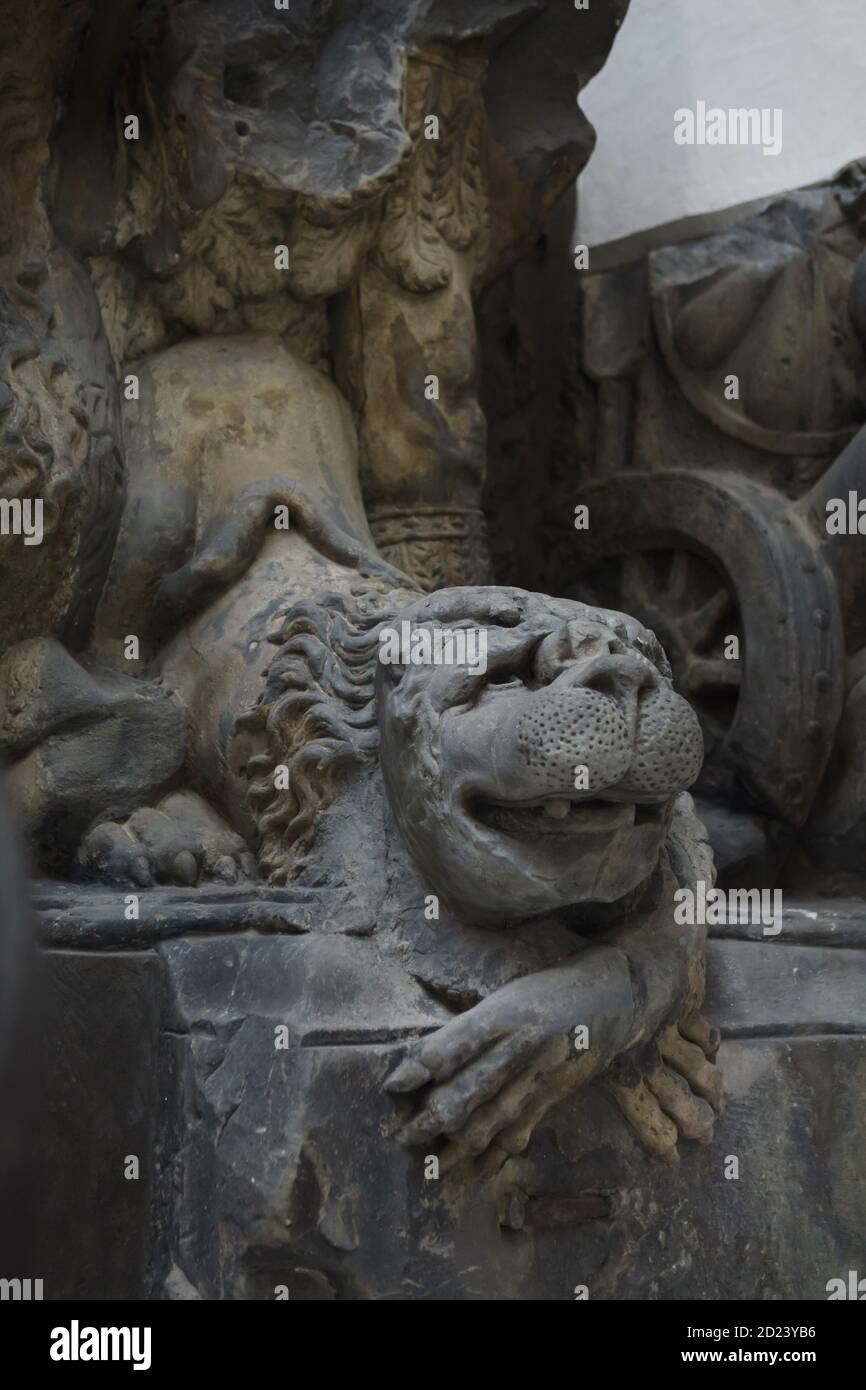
(315, 717)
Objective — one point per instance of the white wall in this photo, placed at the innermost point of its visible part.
(807, 57)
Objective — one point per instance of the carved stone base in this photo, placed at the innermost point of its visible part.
(269, 1160)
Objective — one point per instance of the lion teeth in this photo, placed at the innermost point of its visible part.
(558, 809)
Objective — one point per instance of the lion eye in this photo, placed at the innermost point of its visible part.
(503, 680)
(517, 671)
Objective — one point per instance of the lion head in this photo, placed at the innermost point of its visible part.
(541, 777)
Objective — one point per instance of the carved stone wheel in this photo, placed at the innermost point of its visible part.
(699, 557)
(691, 609)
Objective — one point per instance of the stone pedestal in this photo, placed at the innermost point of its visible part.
(238, 1048)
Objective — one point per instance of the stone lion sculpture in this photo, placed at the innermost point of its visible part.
(534, 905)
(552, 907)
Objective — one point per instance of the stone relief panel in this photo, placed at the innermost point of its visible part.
(367, 842)
(718, 399)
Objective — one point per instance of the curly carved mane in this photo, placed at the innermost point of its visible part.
(315, 717)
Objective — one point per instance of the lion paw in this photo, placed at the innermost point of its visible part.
(180, 841)
(676, 1093)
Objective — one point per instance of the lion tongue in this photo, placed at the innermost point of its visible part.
(558, 809)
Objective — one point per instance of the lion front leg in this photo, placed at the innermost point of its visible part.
(489, 1076)
(81, 742)
(182, 840)
(626, 1007)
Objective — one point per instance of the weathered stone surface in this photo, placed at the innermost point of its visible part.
(366, 944)
(711, 448)
(703, 556)
(257, 1135)
(20, 1072)
(95, 1235)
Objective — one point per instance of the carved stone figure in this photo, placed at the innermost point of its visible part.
(456, 781)
(479, 764)
(383, 868)
(552, 913)
(714, 447)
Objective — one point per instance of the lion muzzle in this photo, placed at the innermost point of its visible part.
(633, 735)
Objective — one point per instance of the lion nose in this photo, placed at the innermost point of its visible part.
(625, 678)
(621, 676)
(616, 717)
